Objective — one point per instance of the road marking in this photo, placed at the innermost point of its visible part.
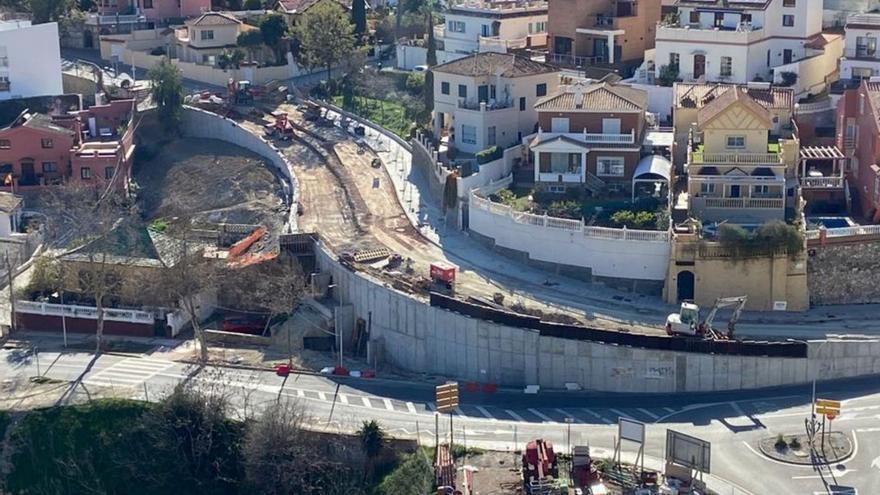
(459, 411)
(620, 414)
(867, 430)
(669, 410)
(366, 402)
(599, 416)
(649, 414)
(411, 407)
(514, 415)
(300, 393)
(322, 396)
(539, 414)
(737, 409)
(342, 398)
(485, 413)
(388, 404)
(835, 474)
(431, 407)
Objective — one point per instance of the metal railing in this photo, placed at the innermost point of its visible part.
(741, 158)
(588, 137)
(484, 106)
(855, 231)
(822, 182)
(867, 19)
(524, 218)
(573, 61)
(864, 53)
(87, 312)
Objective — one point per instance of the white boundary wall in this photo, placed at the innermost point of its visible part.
(613, 253)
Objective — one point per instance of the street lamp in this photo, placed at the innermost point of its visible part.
(568, 422)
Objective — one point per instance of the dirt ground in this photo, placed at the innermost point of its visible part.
(216, 181)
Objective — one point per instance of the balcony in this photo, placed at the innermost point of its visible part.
(862, 53)
(482, 106)
(763, 159)
(572, 61)
(743, 33)
(863, 20)
(588, 138)
(104, 20)
(484, 7)
(561, 177)
(765, 203)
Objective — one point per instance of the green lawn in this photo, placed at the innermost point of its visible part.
(773, 147)
(389, 114)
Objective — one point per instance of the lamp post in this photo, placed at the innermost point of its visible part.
(568, 422)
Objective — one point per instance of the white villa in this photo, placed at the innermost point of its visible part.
(739, 41)
(482, 26)
(861, 60)
(488, 99)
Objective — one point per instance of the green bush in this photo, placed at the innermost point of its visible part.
(489, 155)
(506, 196)
(633, 219)
(770, 237)
(414, 476)
(780, 443)
(668, 75)
(415, 82)
(565, 209)
(788, 78)
(794, 443)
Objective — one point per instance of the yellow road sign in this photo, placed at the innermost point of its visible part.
(447, 397)
(828, 407)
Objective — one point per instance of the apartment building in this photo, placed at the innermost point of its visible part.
(738, 41)
(589, 135)
(858, 137)
(488, 99)
(861, 59)
(498, 26)
(154, 10)
(30, 60)
(737, 167)
(609, 32)
(203, 39)
(91, 146)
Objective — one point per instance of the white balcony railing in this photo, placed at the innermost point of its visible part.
(859, 230)
(765, 203)
(87, 312)
(560, 177)
(484, 106)
(864, 19)
(822, 182)
(591, 138)
(769, 159)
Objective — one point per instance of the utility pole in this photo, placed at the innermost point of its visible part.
(9, 280)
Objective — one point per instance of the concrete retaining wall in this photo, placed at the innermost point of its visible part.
(203, 124)
(844, 272)
(418, 337)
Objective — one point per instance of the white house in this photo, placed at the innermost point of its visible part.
(493, 26)
(487, 99)
(30, 60)
(739, 41)
(861, 60)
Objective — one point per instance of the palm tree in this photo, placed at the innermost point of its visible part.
(372, 439)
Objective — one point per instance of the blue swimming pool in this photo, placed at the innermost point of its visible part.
(830, 222)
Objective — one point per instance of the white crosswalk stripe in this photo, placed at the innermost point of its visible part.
(342, 398)
(411, 407)
(541, 415)
(621, 414)
(514, 415)
(485, 413)
(598, 416)
(388, 404)
(649, 414)
(366, 402)
(128, 372)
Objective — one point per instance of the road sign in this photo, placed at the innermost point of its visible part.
(630, 429)
(827, 407)
(447, 397)
(688, 451)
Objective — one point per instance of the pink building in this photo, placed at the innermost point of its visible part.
(92, 146)
(155, 10)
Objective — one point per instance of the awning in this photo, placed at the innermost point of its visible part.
(659, 138)
(653, 165)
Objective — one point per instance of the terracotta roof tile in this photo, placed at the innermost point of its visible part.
(491, 63)
(599, 97)
(697, 95)
(213, 19)
(723, 102)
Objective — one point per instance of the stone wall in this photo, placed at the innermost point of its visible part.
(844, 272)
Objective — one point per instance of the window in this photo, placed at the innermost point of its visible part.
(148, 4)
(859, 73)
(206, 34)
(541, 89)
(85, 173)
(726, 69)
(5, 144)
(761, 191)
(788, 20)
(736, 142)
(559, 124)
(456, 26)
(695, 17)
(707, 188)
(789, 3)
(468, 134)
(47, 143)
(609, 166)
(462, 91)
(522, 103)
(866, 46)
(861, 103)
(485, 30)
(49, 167)
(768, 58)
(108, 172)
(787, 56)
(537, 27)
(490, 136)
(673, 59)
(444, 88)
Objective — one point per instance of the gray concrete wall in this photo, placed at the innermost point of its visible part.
(418, 337)
(847, 273)
(199, 123)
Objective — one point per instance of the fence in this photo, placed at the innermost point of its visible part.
(87, 312)
(524, 218)
(861, 230)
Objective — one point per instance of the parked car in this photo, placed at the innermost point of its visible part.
(244, 323)
(420, 68)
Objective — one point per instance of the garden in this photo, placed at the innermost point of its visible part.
(597, 211)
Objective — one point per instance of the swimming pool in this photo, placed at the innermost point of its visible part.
(829, 222)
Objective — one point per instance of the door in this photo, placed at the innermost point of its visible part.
(735, 191)
(558, 124)
(483, 93)
(600, 50)
(699, 66)
(685, 285)
(27, 173)
(610, 126)
(786, 56)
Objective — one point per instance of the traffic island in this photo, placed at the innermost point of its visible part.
(795, 449)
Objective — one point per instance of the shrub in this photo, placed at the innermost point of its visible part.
(794, 443)
(415, 82)
(506, 196)
(788, 78)
(158, 51)
(780, 443)
(565, 209)
(668, 75)
(769, 237)
(633, 219)
(489, 155)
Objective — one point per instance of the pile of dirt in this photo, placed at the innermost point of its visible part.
(212, 180)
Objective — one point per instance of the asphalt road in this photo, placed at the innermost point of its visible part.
(732, 422)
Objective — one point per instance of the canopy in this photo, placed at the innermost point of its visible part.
(653, 164)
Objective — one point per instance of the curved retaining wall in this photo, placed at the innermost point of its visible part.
(200, 123)
(416, 336)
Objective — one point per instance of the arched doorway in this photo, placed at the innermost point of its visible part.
(699, 65)
(685, 285)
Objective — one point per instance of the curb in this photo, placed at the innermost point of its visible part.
(810, 462)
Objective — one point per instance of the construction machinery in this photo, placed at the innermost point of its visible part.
(281, 129)
(540, 467)
(687, 320)
(443, 277)
(240, 92)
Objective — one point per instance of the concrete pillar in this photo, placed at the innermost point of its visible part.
(610, 48)
(537, 165)
(583, 166)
